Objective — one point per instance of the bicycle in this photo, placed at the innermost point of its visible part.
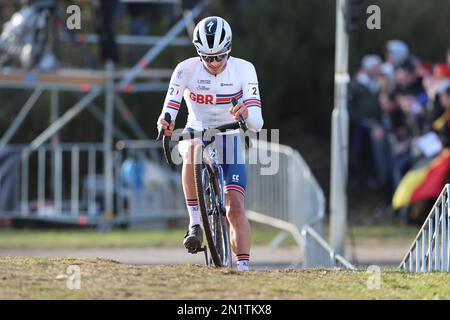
(209, 185)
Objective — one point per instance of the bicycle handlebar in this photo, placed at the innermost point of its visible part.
(241, 124)
(168, 118)
(166, 140)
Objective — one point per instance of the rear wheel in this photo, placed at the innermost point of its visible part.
(215, 224)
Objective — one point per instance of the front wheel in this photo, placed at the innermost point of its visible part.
(215, 224)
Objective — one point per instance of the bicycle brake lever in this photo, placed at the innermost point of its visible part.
(167, 117)
(241, 121)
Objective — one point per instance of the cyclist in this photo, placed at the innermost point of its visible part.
(208, 83)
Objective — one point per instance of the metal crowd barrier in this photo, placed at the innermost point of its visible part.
(61, 183)
(430, 249)
(65, 183)
(318, 253)
(289, 199)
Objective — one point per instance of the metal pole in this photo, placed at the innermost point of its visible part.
(430, 245)
(92, 203)
(447, 217)
(444, 234)
(129, 118)
(58, 177)
(437, 241)
(129, 39)
(54, 112)
(55, 172)
(21, 116)
(41, 176)
(108, 141)
(100, 116)
(417, 248)
(74, 193)
(423, 240)
(64, 119)
(339, 139)
(24, 205)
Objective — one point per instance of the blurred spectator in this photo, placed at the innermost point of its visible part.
(448, 57)
(441, 124)
(407, 79)
(363, 110)
(434, 85)
(402, 104)
(412, 97)
(388, 136)
(396, 52)
(105, 28)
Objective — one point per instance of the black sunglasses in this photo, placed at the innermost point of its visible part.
(218, 58)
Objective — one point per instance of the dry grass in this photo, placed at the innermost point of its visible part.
(38, 278)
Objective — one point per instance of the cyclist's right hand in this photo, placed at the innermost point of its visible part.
(168, 129)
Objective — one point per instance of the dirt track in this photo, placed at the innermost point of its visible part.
(261, 257)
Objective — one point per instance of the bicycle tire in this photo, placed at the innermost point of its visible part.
(222, 240)
(214, 224)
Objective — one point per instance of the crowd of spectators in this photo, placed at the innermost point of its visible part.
(399, 111)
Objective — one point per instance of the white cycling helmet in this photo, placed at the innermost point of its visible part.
(212, 36)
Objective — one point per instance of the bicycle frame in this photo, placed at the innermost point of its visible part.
(217, 172)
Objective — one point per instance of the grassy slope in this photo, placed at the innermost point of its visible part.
(172, 237)
(38, 278)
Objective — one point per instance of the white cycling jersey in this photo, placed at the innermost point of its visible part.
(208, 97)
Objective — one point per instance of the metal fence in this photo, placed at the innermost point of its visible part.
(281, 186)
(318, 253)
(148, 189)
(282, 192)
(65, 183)
(430, 249)
(67, 179)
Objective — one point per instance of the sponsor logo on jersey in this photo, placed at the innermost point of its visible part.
(204, 81)
(202, 88)
(226, 84)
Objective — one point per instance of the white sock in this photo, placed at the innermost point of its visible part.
(194, 212)
(243, 262)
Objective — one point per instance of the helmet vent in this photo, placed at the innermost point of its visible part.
(210, 38)
(222, 36)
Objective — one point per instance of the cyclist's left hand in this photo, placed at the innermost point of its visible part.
(238, 109)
